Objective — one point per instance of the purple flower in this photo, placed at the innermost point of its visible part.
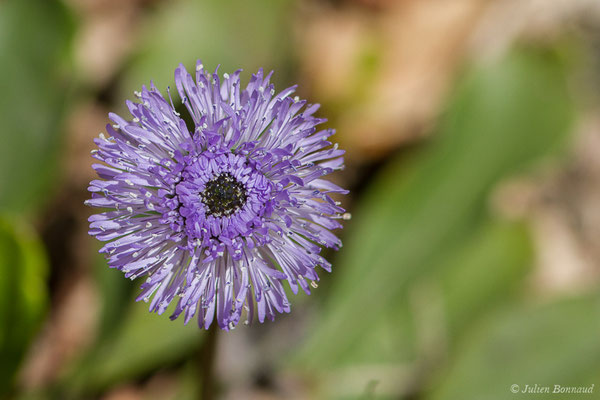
(216, 215)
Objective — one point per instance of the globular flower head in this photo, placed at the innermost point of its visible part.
(217, 215)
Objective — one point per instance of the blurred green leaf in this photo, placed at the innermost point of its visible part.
(189, 384)
(235, 34)
(556, 344)
(464, 283)
(416, 330)
(501, 118)
(483, 273)
(23, 295)
(142, 343)
(115, 294)
(34, 39)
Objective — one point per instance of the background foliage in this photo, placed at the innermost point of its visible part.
(470, 264)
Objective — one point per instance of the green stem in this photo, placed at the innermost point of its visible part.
(207, 362)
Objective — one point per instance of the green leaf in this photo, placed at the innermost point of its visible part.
(555, 344)
(34, 38)
(114, 291)
(189, 383)
(463, 283)
(234, 34)
(501, 119)
(23, 295)
(421, 326)
(142, 343)
(483, 274)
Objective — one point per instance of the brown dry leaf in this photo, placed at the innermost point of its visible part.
(382, 75)
(85, 123)
(160, 386)
(566, 220)
(564, 209)
(106, 35)
(126, 392)
(505, 21)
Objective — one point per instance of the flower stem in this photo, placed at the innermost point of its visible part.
(207, 362)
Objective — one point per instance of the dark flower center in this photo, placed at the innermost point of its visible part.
(223, 195)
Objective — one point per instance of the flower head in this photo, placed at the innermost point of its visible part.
(218, 214)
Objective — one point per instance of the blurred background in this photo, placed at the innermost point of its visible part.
(472, 262)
